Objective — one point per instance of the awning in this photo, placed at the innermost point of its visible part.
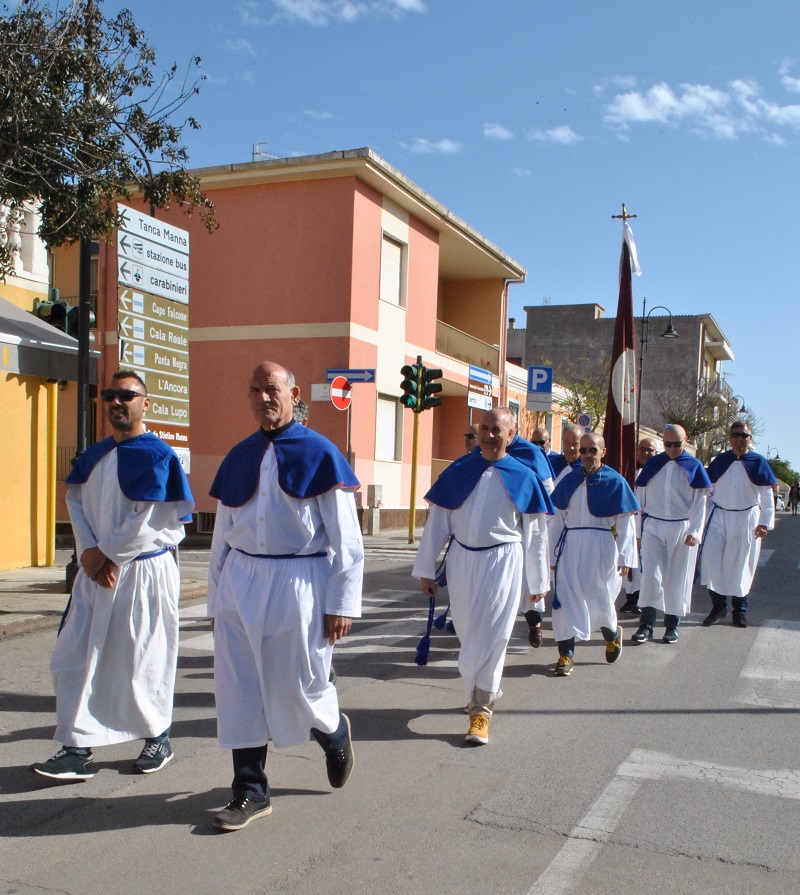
(30, 347)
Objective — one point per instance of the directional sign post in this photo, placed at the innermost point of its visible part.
(153, 320)
(480, 388)
(351, 375)
(540, 389)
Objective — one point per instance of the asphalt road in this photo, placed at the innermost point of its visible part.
(675, 770)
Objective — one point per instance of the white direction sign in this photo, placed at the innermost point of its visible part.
(479, 393)
(152, 280)
(159, 232)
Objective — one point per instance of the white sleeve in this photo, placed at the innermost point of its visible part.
(641, 496)
(220, 548)
(84, 536)
(535, 541)
(626, 540)
(766, 515)
(338, 511)
(697, 512)
(434, 537)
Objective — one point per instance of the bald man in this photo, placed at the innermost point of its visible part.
(672, 490)
(592, 544)
(495, 511)
(284, 584)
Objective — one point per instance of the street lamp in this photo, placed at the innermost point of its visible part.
(777, 455)
(740, 404)
(669, 333)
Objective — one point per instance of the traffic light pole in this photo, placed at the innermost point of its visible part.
(412, 510)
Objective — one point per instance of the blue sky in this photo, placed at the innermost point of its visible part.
(534, 122)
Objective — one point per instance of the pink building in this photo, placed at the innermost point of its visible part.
(328, 262)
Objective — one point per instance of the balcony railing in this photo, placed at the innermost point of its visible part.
(715, 389)
(464, 347)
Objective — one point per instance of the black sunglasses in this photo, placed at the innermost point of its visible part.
(591, 450)
(540, 443)
(673, 443)
(470, 435)
(123, 394)
(740, 434)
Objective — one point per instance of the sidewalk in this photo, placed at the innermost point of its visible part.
(33, 599)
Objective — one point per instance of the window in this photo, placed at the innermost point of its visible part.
(393, 271)
(388, 429)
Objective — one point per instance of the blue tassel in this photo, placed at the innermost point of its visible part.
(441, 620)
(556, 601)
(451, 628)
(424, 645)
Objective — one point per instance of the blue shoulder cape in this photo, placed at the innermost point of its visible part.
(758, 470)
(607, 493)
(559, 464)
(458, 481)
(308, 465)
(691, 467)
(147, 468)
(532, 456)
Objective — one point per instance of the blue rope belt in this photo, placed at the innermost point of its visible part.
(281, 555)
(714, 508)
(151, 555)
(478, 549)
(559, 549)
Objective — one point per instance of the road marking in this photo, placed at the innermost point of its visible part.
(771, 675)
(586, 839)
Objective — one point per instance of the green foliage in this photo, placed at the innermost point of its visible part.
(783, 470)
(586, 385)
(85, 120)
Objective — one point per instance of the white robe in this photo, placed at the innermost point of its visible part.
(114, 661)
(484, 585)
(271, 657)
(587, 579)
(632, 582)
(667, 562)
(730, 549)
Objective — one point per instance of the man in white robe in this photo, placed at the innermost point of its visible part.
(495, 510)
(285, 578)
(740, 514)
(592, 544)
(115, 658)
(632, 582)
(672, 490)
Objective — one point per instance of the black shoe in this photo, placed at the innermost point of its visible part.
(630, 608)
(66, 765)
(340, 761)
(535, 636)
(739, 620)
(715, 616)
(238, 813)
(670, 635)
(644, 633)
(614, 647)
(153, 757)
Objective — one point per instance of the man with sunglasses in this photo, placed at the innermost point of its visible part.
(471, 439)
(671, 490)
(592, 544)
(741, 512)
(115, 657)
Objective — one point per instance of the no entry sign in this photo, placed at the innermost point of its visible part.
(340, 393)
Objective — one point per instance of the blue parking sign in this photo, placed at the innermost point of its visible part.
(540, 379)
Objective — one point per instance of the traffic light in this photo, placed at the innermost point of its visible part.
(52, 312)
(412, 385)
(73, 323)
(431, 388)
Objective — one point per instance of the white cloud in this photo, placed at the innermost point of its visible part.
(791, 84)
(241, 46)
(614, 82)
(726, 114)
(563, 134)
(443, 146)
(323, 12)
(497, 132)
(317, 116)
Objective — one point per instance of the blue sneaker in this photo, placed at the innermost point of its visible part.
(66, 765)
(153, 757)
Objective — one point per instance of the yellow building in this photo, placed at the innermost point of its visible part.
(34, 358)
